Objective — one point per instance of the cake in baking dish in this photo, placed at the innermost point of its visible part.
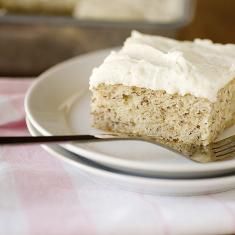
(181, 93)
(45, 6)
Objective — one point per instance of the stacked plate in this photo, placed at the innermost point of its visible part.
(58, 104)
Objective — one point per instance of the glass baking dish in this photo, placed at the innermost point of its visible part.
(29, 44)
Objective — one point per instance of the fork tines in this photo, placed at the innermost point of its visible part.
(224, 148)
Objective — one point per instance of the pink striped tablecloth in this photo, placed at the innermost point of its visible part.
(42, 195)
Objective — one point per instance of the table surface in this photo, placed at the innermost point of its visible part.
(214, 19)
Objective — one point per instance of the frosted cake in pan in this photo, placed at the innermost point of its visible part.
(180, 93)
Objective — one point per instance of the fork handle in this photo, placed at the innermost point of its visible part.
(14, 140)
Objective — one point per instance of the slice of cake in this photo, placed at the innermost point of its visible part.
(180, 93)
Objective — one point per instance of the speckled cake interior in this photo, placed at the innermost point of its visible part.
(177, 119)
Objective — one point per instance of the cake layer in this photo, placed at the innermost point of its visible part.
(200, 68)
(157, 114)
(53, 6)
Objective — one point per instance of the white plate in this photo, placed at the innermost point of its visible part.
(150, 185)
(58, 103)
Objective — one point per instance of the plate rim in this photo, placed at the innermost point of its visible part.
(163, 182)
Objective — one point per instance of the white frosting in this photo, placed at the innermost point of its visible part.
(200, 68)
(150, 10)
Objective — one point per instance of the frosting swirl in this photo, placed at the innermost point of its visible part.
(200, 68)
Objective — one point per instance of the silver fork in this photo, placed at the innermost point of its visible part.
(218, 150)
